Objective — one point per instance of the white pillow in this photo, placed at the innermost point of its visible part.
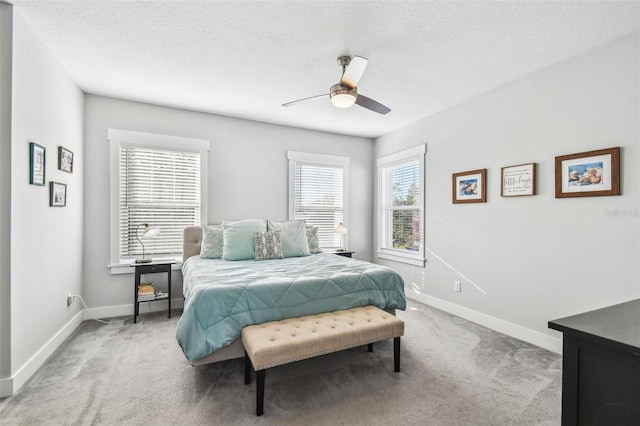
(294, 237)
(211, 242)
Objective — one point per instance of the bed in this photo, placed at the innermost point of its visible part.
(222, 297)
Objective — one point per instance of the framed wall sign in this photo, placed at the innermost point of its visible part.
(588, 174)
(518, 180)
(37, 164)
(65, 160)
(470, 187)
(57, 194)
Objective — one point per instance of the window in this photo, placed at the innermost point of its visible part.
(401, 201)
(156, 180)
(317, 193)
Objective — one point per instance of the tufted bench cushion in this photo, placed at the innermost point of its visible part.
(280, 342)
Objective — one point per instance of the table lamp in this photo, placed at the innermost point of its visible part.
(341, 230)
(148, 232)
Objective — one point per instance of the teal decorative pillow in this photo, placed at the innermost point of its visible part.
(211, 242)
(268, 245)
(314, 241)
(238, 241)
(294, 237)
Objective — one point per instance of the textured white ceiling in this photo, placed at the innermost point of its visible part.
(246, 58)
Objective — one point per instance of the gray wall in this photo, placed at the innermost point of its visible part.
(46, 242)
(526, 260)
(6, 42)
(248, 178)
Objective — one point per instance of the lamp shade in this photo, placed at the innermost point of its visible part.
(150, 232)
(341, 229)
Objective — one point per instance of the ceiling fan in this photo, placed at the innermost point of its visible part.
(345, 93)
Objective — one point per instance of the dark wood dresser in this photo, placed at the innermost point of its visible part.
(601, 366)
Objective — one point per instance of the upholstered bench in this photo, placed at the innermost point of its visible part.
(280, 342)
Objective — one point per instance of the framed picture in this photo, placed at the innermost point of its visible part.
(588, 174)
(57, 194)
(518, 180)
(470, 187)
(65, 160)
(37, 164)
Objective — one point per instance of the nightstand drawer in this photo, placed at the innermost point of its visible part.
(150, 269)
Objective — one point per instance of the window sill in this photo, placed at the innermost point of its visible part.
(411, 260)
(125, 267)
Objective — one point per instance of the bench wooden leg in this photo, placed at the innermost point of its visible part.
(370, 347)
(247, 368)
(260, 392)
(396, 353)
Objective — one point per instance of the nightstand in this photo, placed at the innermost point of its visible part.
(151, 268)
(344, 253)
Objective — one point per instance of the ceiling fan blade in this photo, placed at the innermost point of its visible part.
(369, 103)
(304, 100)
(354, 72)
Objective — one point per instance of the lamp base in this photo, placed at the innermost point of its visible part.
(147, 260)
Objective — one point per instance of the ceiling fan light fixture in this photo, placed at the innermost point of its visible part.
(345, 93)
(343, 97)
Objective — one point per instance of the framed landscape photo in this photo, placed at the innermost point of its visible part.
(57, 194)
(65, 160)
(470, 187)
(518, 180)
(37, 164)
(588, 174)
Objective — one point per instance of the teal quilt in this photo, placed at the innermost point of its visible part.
(222, 297)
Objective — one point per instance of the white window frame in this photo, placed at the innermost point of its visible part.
(418, 258)
(127, 138)
(320, 160)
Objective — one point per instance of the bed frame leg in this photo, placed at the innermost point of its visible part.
(396, 354)
(370, 347)
(247, 368)
(260, 392)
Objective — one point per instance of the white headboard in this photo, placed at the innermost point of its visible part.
(191, 241)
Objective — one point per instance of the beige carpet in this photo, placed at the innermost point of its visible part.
(454, 372)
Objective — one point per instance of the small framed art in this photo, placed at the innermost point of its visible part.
(57, 194)
(65, 160)
(470, 187)
(588, 174)
(518, 180)
(37, 164)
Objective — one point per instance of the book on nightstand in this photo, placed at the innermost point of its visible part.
(147, 298)
(146, 292)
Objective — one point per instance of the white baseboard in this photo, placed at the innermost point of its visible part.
(6, 387)
(11, 385)
(510, 329)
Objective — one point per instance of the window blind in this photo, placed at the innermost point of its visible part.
(161, 188)
(319, 199)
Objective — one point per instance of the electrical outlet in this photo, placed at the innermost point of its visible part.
(70, 298)
(457, 286)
